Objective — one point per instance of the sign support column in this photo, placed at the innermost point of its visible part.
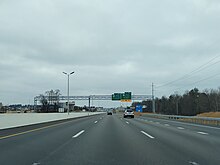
(153, 100)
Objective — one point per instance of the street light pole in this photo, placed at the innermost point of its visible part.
(68, 90)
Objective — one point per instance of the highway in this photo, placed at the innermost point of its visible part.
(111, 140)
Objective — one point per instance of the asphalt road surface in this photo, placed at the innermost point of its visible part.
(111, 140)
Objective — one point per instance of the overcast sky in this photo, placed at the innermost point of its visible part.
(112, 45)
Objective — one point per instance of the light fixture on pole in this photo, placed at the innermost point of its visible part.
(68, 90)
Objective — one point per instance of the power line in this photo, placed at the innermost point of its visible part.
(208, 66)
(210, 77)
(188, 75)
(201, 80)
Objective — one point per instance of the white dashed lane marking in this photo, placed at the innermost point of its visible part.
(193, 163)
(202, 133)
(147, 135)
(180, 128)
(78, 134)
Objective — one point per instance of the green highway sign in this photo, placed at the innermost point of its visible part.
(121, 96)
(126, 96)
(116, 96)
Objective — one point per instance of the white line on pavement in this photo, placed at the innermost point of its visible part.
(193, 163)
(147, 135)
(189, 124)
(203, 133)
(75, 136)
(96, 122)
(127, 122)
(180, 128)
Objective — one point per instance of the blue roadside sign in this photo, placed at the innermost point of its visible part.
(139, 108)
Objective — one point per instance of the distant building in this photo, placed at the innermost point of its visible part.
(15, 107)
(65, 105)
(2, 108)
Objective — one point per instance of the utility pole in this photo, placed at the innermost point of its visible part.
(153, 101)
(177, 106)
(177, 103)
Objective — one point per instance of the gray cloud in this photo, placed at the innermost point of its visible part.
(112, 45)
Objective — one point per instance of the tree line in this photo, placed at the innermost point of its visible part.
(191, 103)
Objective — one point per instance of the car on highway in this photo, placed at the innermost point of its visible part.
(109, 112)
(128, 113)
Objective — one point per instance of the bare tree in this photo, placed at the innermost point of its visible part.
(50, 101)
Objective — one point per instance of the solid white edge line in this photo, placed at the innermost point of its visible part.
(78, 134)
(203, 133)
(147, 135)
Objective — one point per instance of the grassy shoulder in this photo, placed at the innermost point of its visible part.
(141, 113)
(210, 114)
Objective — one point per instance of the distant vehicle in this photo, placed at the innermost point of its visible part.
(109, 112)
(128, 113)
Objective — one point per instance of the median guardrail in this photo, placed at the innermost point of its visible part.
(192, 119)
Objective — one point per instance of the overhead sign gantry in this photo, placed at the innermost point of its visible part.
(123, 97)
